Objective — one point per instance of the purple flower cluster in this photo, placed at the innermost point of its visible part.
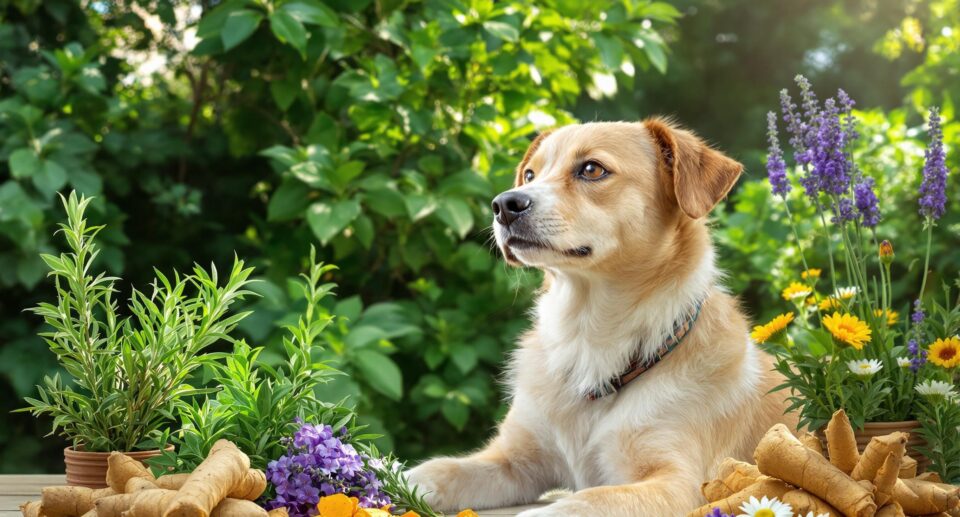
(776, 167)
(866, 202)
(715, 512)
(918, 316)
(933, 198)
(318, 463)
(918, 356)
(821, 136)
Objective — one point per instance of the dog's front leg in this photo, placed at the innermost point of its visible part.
(669, 492)
(512, 469)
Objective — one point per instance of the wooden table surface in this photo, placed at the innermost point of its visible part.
(18, 489)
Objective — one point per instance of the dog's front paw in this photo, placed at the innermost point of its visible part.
(436, 482)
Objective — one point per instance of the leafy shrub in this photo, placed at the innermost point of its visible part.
(127, 374)
(379, 130)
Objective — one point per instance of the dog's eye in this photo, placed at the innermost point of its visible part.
(528, 175)
(592, 171)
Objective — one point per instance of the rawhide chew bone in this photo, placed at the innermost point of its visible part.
(886, 478)
(782, 456)
(841, 442)
(876, 453)
(764, 487)
(804, 502)
(924, 497)
(715, 490)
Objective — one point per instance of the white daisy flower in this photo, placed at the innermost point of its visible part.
(846, 293)
(903, 362)
(765, 508)
(938, 388)
(864, 367)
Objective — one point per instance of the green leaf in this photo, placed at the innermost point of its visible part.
(50, 178)
(239, 26)
(284, 92)
(611, 50)
(312, 12)
(386, 202)
(455, 213)
(655, 53)
(329, 219)
(363, 230)
(290, 31)
(456, 412)
(465, 357)
(289, 201)
(502, 30)
(24, 163)
(380, 372)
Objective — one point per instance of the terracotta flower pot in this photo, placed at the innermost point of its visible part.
(871, 429)
(89, 469)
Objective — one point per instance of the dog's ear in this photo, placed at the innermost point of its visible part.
(696, 175)
(518, 179)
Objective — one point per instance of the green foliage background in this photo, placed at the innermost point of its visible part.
(379, 131)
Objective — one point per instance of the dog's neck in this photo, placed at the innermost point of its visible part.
(592, 326)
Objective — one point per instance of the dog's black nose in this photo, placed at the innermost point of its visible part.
(510, 205)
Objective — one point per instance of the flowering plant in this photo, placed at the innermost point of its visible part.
(843, 344)
(318, 462)
(321, 462)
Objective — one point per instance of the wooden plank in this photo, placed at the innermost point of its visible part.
(18, 489)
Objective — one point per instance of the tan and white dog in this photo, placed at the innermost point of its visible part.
(613, 213)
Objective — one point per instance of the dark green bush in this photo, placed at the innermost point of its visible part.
(377, 130)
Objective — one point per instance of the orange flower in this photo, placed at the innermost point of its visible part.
(813, 273)
(339, 505)
(886, 252)
(468, 513)
(848, 329)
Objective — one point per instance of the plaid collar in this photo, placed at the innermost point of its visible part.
(637, 367)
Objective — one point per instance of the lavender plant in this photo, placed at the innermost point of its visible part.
(843, 345)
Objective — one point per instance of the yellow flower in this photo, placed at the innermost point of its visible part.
(796, 290)
(829, 303)
(848, 329)
(892, 316)
(813, 273)
(762, 333)
(945, 352)
(811, 300)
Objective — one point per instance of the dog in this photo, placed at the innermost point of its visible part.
(638, 376)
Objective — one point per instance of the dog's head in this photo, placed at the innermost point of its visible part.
(589, 196)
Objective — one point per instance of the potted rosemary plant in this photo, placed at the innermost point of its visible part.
(843, 344)
(125, 373)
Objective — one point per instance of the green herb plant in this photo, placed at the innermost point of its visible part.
(258, 404)
(125, 375)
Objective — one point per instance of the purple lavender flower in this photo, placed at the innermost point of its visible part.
(918, 357)
(793, 121)
(319, 463)
(811, 113)
(866, 202)
(844, 211)
(715, 512)
(918, 315)
(776, 167)
(831, 168)
(933, 197)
